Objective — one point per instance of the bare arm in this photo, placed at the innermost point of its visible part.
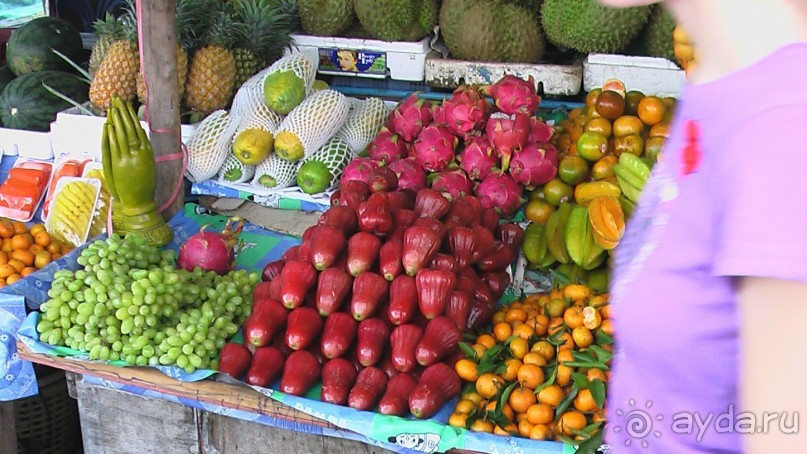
(773, 360)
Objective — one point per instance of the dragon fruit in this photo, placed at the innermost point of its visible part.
(410, 117)
(500, 192)
(513, 95)
(410, 174)
(358, 169)
(477, 158)
(534, 165)
(507, 135)
(387, 147)
(452, 183)
(434, 148)
(464, 112)
(540, 132)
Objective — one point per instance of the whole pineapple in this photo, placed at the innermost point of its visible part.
(117, 74)
(107, 30)
(266, 33)
(211, 77)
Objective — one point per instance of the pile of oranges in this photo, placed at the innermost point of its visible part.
(24, 250)
(541, 371)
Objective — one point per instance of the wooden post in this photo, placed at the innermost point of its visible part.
(159, 43)
(8, 433)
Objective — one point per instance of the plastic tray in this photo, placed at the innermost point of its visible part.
(79, 235)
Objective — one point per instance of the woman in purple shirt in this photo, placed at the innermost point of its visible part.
(710, 281)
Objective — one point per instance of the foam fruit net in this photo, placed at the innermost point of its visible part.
(231, 163)
(304, 63)
(283, 172)
(249, 102)
(335, 154)
(366, 118)
(209, 146)
(317, 119)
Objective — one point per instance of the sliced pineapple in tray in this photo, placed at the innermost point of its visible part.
(72, 209)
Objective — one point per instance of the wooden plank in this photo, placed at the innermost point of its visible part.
(114, 422)
(159, 43)
(8, 433)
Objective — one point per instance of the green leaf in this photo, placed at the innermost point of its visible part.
(469, 352)
(492, 354)
(70, 62)
(602, 354)
(580, 380)
(597, 389)
(603, 338)
(564, 404)
(67, 99)
(587, 364)
(567, 440)
(468, 388)
(560, 279)
(499, 419)
(504, 397)
(583, 356)
(591, 428)
(591, 445)
(511, 339)
(549, 381)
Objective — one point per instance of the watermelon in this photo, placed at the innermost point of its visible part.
(30, 47)
(6, 76)
(27, 104)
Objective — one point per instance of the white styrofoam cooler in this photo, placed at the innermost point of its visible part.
(376, 59)
(650, 75)
(27, 144)
(74, 132)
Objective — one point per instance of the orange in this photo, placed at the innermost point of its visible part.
(576, 292)
(6, 245)
(464, 406)
(3, 258)
(563, 142)
(57, 256)
(585, 401)
(466, 369)
(473, 397)
(592, 146)
(66, 248)
(54, 248)
(651, 110)
(610, 104)
(17, 264)
(7, 270)
(27, 270)
(521, 399)
(510, 429)
(538, 211)
(582, 337)
(660, 130)
(13, 278)
(555, 307)
(596, 374)
(524, 331)
(565, 355)
(486, 339)
(19, 227)
(502, 331)
(600, 125)
(541, 324)
(515, 314)
(541, 432)
(591, 318)
(607, 327)
(36, 249)
(524, 427)
(511, 368)
(551, 395)
(519, 347)
(574, 113)
(540, 414)
(6, 228)
(591, 98)
(20, 242)
(544, 348)
(498, 317)
(556, 191)
(488, 384)
(42, 238)
(478, 348)
(571, 421)
(631, 143)
(573, 317)
(482, 425)
(632, 99)
(507, 410)
(626, 125)
(24, 256)
(605, 311)
(555, 325)
(653, 147)
(530, 376)
(573, 170)
(534, 358)
(36, 228)
(563, 375)
(458, 419)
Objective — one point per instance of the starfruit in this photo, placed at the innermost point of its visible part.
(584, 193)
(580, 244)
(535, 244)
(607, 221)
(556, 232)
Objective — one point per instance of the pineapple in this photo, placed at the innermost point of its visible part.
(266, 33)
(117, 74)
(107, 30)
(211, 77)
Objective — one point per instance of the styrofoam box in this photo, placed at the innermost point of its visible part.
(650, 75)
(374, 59)
(28, 144)
(76, 133)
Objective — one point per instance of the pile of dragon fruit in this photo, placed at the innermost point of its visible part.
(466, 146)
(375, 299)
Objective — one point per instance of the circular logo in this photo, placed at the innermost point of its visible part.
(638, 423)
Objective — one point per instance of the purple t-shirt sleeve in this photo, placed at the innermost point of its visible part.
(762, 207)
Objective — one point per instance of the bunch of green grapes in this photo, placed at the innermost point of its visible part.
(129, 302)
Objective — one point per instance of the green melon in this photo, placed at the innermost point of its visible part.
(26, 104)
(6, 76)
(31, 46)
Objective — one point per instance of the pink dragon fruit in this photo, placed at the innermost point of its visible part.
(410, 117)
(358, 169)
(410, 174)
(540, 132)
(534, 165)
(464, 112)
(513, 94)
(500, 192)
(477, 158)
(507, 135)
(434, 148)
(452, 183)
(387, 147)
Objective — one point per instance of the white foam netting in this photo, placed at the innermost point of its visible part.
(304, 63)
(335, 154)
(232, 163)
(283, 173)
(249, 98)
(209, 146)
(317, 119)
(363, 123)
(259, 117)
